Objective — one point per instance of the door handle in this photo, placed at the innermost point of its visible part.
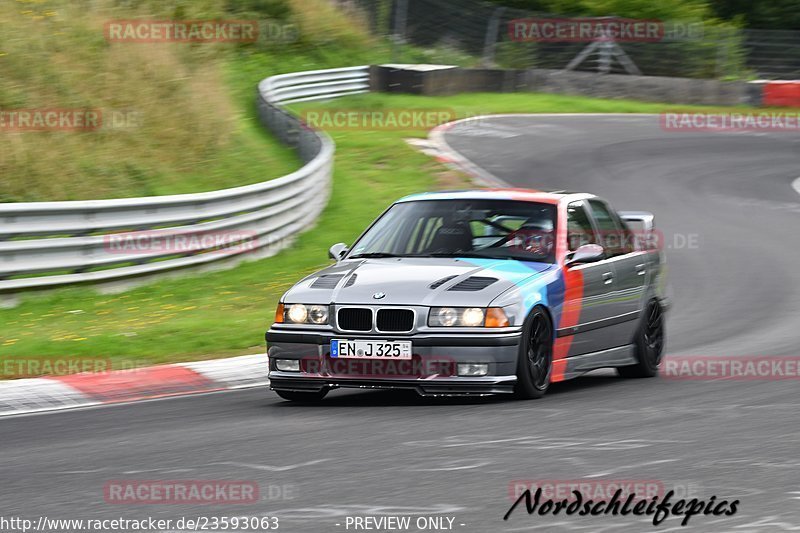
(608, 277)
(641, 269)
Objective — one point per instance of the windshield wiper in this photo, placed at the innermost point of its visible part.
(372, 255)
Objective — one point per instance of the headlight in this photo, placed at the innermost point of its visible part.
(307, 314)
(472, 317)
(467, 317)
(297, 313)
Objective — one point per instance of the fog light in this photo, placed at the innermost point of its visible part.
(473, 369)
(287, 365)
(445, 316)
(318, 314)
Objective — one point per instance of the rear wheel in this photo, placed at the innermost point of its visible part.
(649, 344)
(303, 397)
(534, 363)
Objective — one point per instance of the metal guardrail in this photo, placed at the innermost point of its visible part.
(78, 233)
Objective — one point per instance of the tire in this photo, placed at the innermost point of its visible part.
(535, 359)
(649, 344)
(302, 397)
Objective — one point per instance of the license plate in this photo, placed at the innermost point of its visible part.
(369, 349)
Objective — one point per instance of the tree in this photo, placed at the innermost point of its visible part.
(761, 14)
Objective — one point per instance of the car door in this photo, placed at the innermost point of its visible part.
(593, 303)
(630, 271)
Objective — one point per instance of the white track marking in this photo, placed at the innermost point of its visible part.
(453, 465)
(628, 467)
(271, 468)
(164, 470)
(77, 472)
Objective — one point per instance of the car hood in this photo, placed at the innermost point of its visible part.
(414, 281)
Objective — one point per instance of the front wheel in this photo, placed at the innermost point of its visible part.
(649, 344)
(303, 397)
(535, 359)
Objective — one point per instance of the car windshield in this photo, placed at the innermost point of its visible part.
(501, 229)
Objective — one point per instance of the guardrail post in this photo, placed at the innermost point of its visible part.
(399, 33)
(492, 34)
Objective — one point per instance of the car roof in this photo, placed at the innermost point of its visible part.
(521, 195)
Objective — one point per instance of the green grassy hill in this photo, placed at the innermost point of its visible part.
(193, 101)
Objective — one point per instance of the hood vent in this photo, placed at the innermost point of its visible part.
(326, 282)
(351, 281)
(438, 283)
(472, 283)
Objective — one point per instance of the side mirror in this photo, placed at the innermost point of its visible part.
(337, 251)
(588, 253)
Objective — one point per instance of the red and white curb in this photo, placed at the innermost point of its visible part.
(444, 153)
(53, 393)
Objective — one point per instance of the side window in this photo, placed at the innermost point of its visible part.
(610, 232)
(579, 227)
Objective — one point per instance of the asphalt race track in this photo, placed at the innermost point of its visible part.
(726, 206)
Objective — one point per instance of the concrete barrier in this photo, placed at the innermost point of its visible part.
(445, 81)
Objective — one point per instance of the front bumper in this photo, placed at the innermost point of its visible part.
(432, 370)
